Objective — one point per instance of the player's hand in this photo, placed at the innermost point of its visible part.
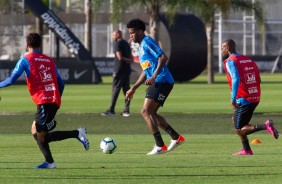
(150, 81)
(129, 94)
(234, 105)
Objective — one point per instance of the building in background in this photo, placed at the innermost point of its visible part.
(16, 21)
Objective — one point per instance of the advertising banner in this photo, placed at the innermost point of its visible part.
(53, 22)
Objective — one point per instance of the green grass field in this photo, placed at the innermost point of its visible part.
(200, 112)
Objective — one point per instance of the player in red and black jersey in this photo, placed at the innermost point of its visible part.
(244, 81)
(46, 88)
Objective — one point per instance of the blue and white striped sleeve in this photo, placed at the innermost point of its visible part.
(233, 72)
(21, 66)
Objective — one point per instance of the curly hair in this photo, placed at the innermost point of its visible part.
(33, 40)
(136, 24)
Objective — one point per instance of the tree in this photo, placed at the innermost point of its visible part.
(153, 8)
(206, 10)
(88, 27)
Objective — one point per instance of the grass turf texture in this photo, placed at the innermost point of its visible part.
(199, 111)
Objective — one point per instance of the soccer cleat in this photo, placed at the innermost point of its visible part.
(158, 150)
(82, 137)
(125, 114)
(46, 165)
(175, 143)
(108, 113)
(270, 128)
(243, 152)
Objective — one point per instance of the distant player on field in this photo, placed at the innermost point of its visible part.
(244, 81)
(160, 81)
(46, 88)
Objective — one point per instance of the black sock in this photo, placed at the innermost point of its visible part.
(246, 145)
(45, 149)
(158, 139)
(260, 127)
(60, 135)
(173, 134)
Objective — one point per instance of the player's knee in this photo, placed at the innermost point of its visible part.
(144, 112)
(40, 138)
(239, 132)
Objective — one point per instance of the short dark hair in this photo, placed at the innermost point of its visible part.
(136, 24)
(33, 40)
(231, 43)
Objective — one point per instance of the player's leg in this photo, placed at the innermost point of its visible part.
(45, 123)
(160, 92)
(268, 126)
(50, 122)
(116, 86)
(125, 88)
(241, 118)
(176, 139)
(39, 133)
(147, 113)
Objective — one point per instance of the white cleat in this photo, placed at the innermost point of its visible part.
(82, 137)
(158, 150)
(175, 143)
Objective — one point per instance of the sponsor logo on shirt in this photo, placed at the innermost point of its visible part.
(42, 59)
(48, 97)
(146, 64)
(250, 78)
(253, 90)
(45, 76)
(249, 68)
(50, 87)
(41, 67)
(245, 61)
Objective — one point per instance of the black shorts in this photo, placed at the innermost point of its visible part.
(159, 92)
(243, 115)
(45, 117)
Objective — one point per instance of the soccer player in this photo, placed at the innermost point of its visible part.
(46, 88)
(160, 81)
(244, 81)
(121, 74)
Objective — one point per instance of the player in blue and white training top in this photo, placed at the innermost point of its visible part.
(160, 81)
(149, 53)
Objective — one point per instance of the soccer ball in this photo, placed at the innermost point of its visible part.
(108, 145)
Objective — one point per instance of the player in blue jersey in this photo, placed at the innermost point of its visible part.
(160, 81)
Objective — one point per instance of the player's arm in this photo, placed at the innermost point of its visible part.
(131, 91)
(60, 81)
(233, 72)
(162, 59)
(20, 67)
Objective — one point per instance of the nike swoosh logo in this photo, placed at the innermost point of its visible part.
(77, 75)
